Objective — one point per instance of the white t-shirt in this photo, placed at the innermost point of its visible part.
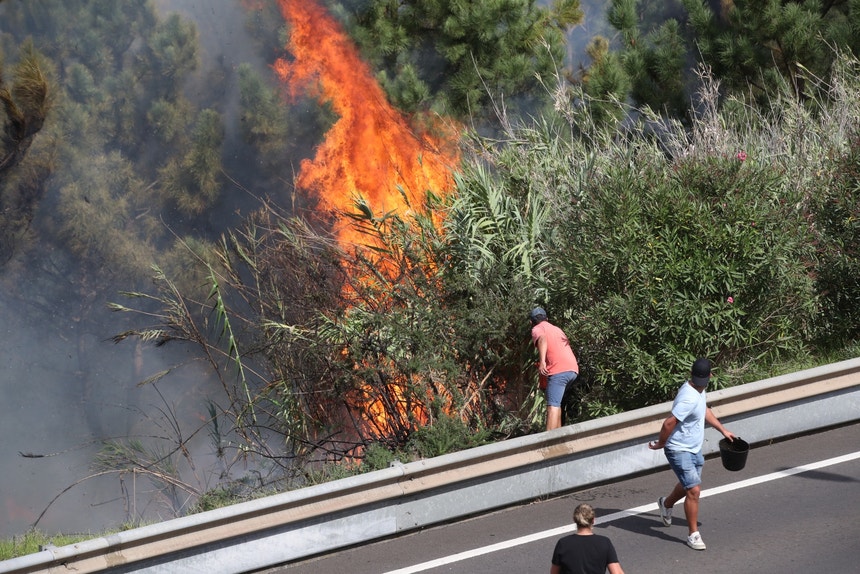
(689, 408)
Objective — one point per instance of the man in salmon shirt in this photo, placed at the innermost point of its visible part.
(557, 363)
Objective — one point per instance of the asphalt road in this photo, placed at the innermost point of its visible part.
(795, 507)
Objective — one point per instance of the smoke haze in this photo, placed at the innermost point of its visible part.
(67, 387)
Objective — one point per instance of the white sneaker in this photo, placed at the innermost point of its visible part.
(695, 541)
(665, 513)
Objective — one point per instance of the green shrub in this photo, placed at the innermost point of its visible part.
(675, 259)
(446, 434)
(837, 220)
(722, 239)
(377, 457)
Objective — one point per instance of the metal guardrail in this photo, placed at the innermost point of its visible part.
(298, 524)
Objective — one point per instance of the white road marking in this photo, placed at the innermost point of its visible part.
(619, 515)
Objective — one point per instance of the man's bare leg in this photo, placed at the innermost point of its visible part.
(677, 494)
(691, 508)
(553, 418)
(691, 504)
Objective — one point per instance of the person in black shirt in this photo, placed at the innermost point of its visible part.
(584, 552)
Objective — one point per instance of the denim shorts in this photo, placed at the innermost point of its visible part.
(687, 466)
(556, 385)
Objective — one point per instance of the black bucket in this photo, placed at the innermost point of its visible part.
(734, 453)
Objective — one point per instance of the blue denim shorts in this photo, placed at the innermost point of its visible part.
(556, 385)
(687, 466)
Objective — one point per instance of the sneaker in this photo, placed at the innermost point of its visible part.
(695, 541)
(665, 513)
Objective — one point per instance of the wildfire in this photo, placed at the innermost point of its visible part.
(370, 152)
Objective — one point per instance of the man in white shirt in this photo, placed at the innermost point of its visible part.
(681, 438)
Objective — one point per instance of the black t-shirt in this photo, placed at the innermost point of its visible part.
(584, 554)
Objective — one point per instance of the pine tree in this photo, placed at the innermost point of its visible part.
(751, 46)
(264, 119)
(605, 82)
(760, 43)
(649, 64)
(193, 181)
(453, 55)
(173, 53)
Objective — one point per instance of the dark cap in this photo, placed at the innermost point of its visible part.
(537, 315)
(701, 372)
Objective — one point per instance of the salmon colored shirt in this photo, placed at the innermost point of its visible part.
(559, 355)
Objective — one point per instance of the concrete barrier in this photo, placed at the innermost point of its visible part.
(298, 524)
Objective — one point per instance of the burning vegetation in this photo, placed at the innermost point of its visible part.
(372, 170)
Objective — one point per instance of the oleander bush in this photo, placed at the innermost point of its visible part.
(735, 238)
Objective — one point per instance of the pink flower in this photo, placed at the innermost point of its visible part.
(730, 300)
(742, 155)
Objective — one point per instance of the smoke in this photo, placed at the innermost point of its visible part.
(64, 394)
(67, 387)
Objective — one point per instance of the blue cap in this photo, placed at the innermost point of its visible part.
(537, 315)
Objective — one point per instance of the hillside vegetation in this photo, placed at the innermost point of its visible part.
(723, 220)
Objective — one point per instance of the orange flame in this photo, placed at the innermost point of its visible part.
(370, 152)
